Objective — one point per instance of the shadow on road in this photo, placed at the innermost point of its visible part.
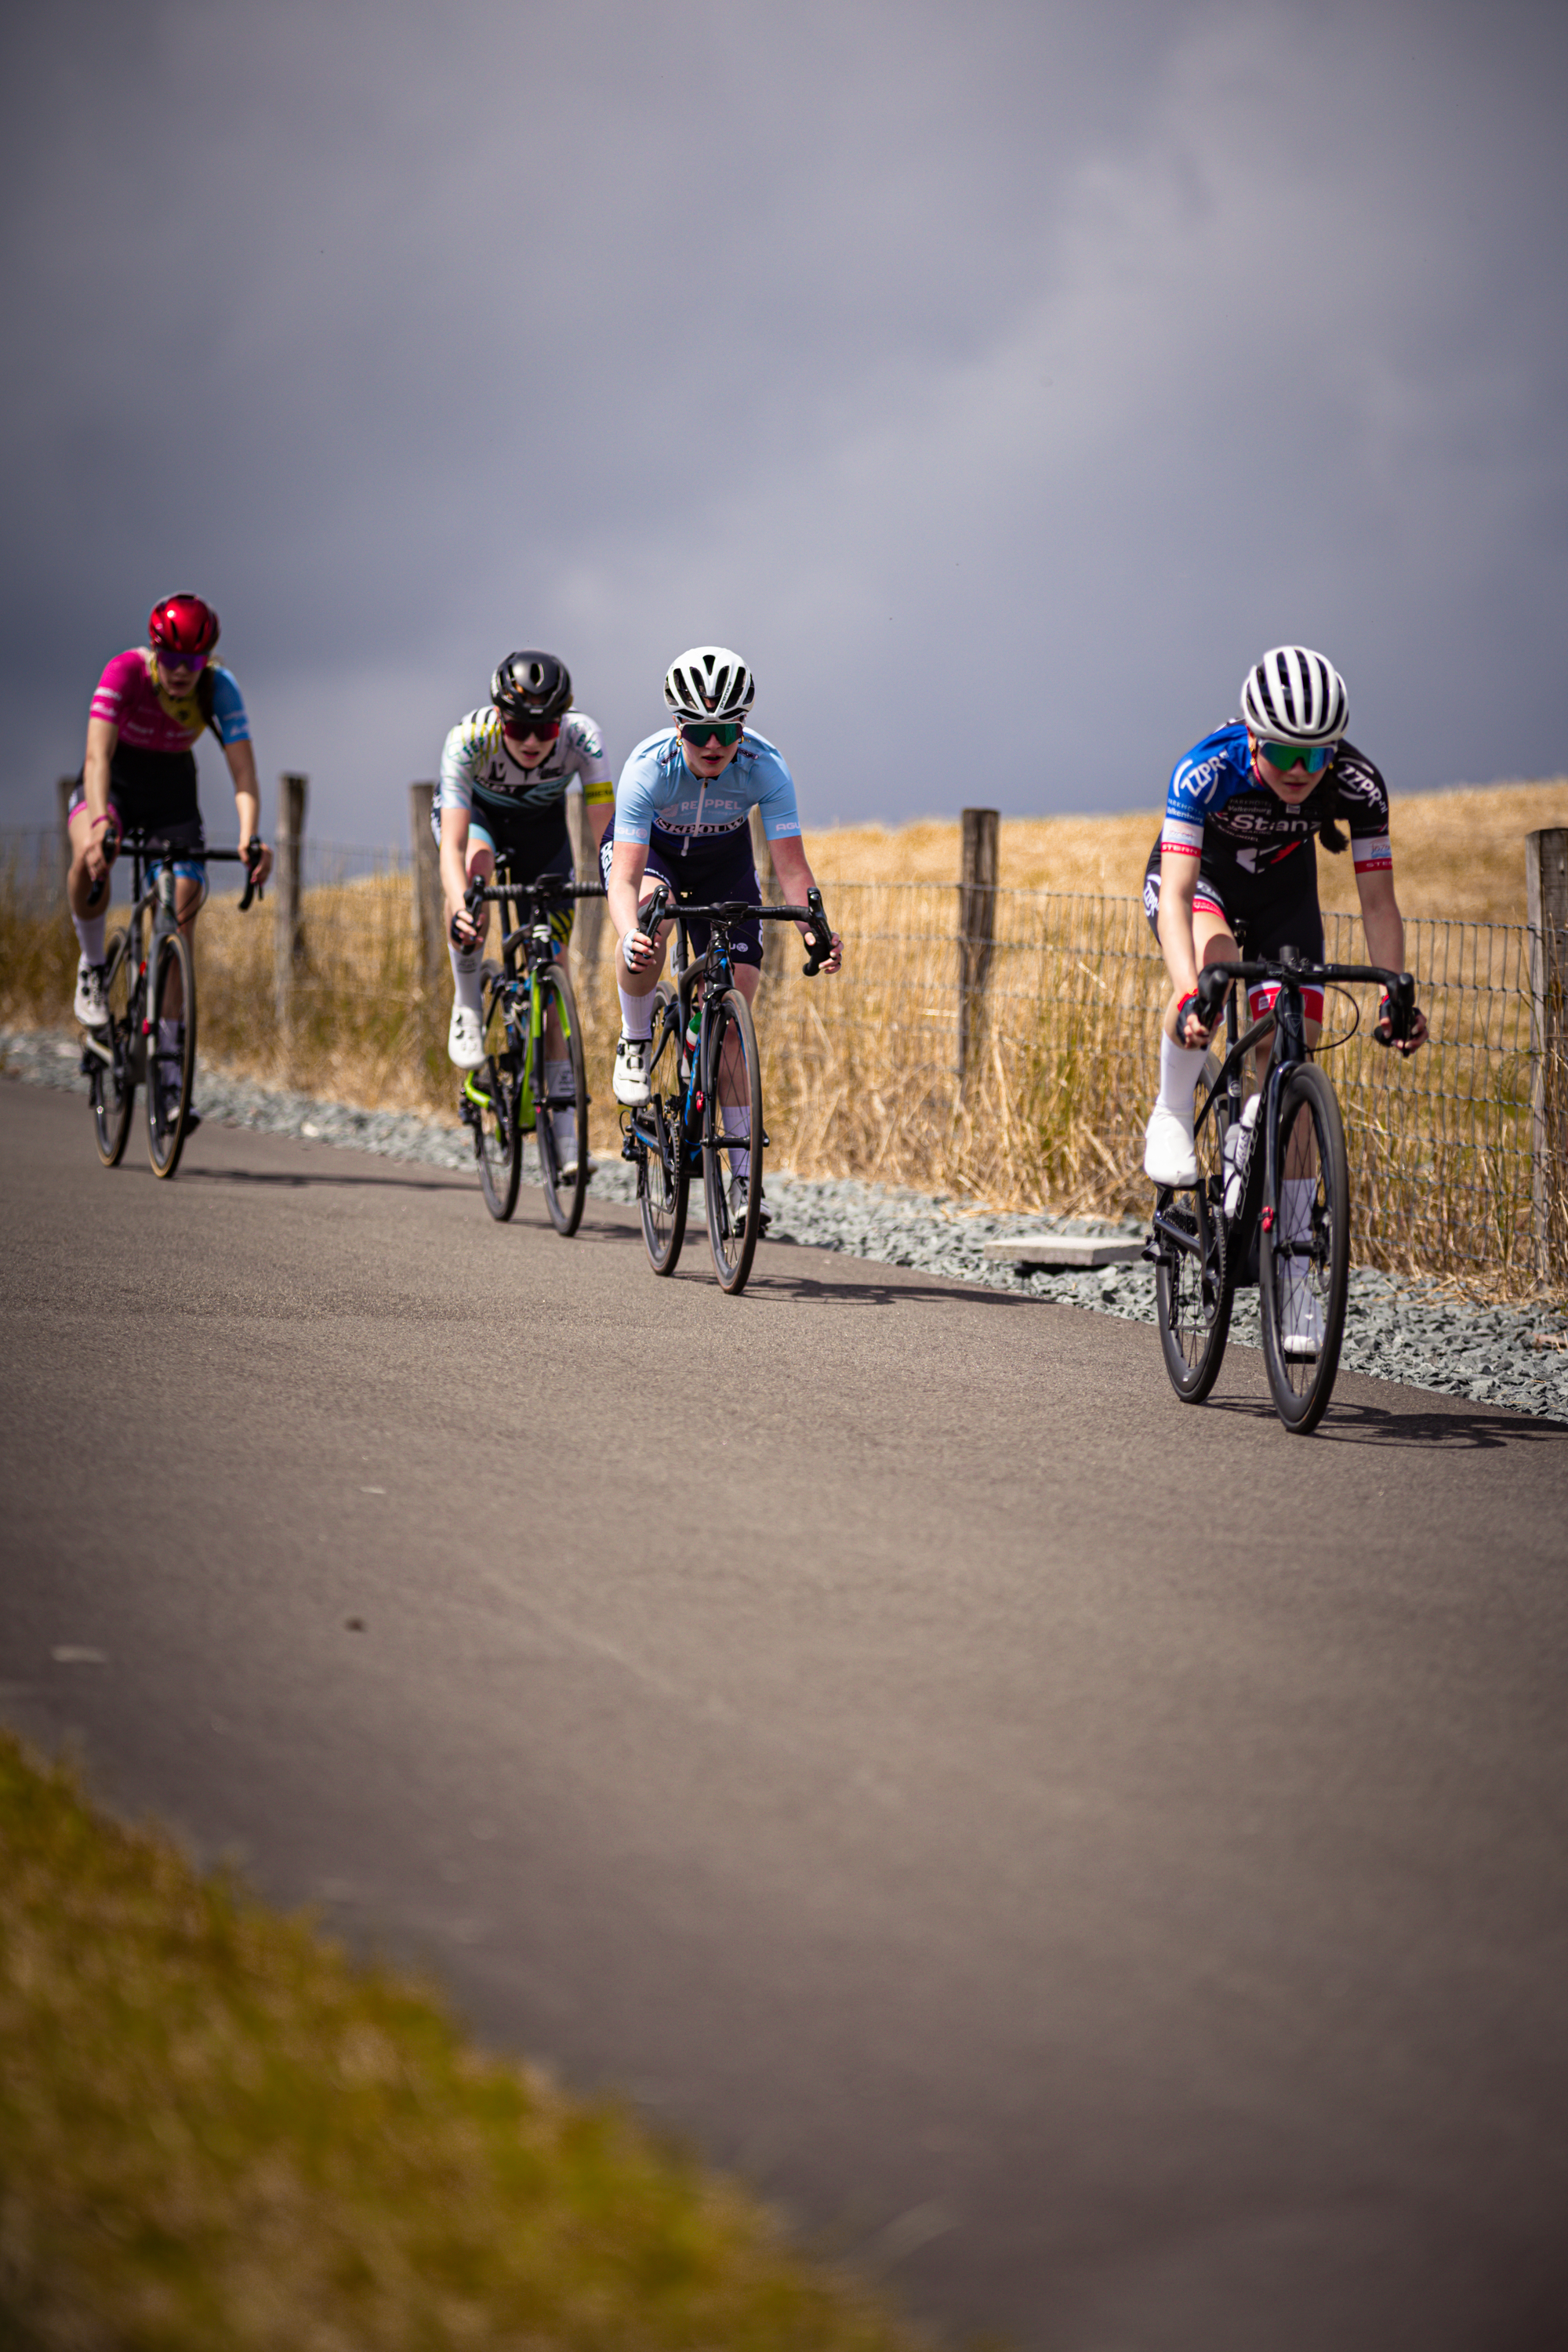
(293, 1180)
(1461, 1428)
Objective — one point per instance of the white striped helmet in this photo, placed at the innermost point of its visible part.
(1295, 696)
(710, 682)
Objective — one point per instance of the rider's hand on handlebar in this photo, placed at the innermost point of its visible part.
(465, 931)
(833, 962)
(1383, 1032)
(261, 872)
(1190, 1031)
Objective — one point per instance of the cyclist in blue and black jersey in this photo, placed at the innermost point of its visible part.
(683, 816)
(1237, 848)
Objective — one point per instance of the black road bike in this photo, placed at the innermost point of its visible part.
(701, 1046)
(1232, 1228)
(509, 1096)
(141, 976)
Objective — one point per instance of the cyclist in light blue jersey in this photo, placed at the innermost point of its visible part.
(682, 816)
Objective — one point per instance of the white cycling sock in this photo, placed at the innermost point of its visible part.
(90, 930)
(558, 1081)
(169, 1036)
(737, 1120)
(1180, 1067)
(637, 1011)
(465, 962)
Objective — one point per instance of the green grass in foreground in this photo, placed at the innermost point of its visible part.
(217, 2131)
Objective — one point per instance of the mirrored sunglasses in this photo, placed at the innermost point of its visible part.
(168, 659)
(1313, 757)
(699, 732)
(525, 728)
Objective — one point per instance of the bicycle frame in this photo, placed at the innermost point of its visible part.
(533, 939)
(1287, 1017)
(159, 900)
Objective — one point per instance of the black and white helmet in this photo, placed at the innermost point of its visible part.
(710, 682)
(532, 685)
(1294, 695)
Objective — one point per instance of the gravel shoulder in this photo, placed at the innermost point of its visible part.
(1414, 1331)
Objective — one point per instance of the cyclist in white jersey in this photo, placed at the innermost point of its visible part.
(505, 770)
(682, 816)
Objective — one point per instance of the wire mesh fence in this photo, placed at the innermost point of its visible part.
(862, 1072)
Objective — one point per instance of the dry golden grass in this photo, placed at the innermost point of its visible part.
(1459, 854)
(861, 1072)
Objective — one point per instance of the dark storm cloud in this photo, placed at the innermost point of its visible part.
(1000, 380)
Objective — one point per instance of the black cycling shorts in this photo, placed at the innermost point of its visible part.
(706, 874)
(1264, 911)
(532, 848)
(146, 812)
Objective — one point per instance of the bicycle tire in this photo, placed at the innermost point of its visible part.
(564, 1201)
(498, 1135)
(733, 1247)
(1301, 1386)
(112, 1086)
(1195, 1296)
(663, 1177)
(166, 1114)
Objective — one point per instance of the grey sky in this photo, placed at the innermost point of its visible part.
(1000, 380)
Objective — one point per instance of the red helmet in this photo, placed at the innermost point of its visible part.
(182, 625)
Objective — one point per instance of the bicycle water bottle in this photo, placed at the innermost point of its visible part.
(693, 1032)
(1237, 1152)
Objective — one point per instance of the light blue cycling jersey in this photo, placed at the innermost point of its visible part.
(657, 787)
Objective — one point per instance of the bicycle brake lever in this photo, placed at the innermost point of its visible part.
(820, 945)
(252, 860)
(1213, 988)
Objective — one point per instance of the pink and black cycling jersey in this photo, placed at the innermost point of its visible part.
(152, 771)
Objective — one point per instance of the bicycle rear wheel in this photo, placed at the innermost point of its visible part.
(729, 1055)
(1194, 1288)
(112, 1084)
(663, 1179)
(170, 1074)
(489, 1093)
(565, 1180)
(1304, 1259)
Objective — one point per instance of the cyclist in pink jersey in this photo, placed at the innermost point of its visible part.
(149, 709)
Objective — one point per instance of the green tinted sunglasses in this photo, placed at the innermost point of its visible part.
(699, 732)
(1313, 757)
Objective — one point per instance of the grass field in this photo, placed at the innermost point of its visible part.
(219, 2134)
(861, 1072)
(1457, 854)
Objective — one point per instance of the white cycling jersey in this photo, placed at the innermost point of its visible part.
(476, 757)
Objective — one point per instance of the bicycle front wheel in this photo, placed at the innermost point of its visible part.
(663, 1179)
(1304, 1258)
(170, 1070)
(1194, 1287)
(490, 1095)
(731, 1147)
(112, 1084)
(561, 1111)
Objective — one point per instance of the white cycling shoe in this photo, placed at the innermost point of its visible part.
(1302, 1333)
(630, 1080)
(464, 1039)
(1170, 1155)
(88, 1006)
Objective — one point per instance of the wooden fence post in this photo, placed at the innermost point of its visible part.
(1546, 913)
(773, 933)
(288, 881)
(586, 929)
(976, 929)
(429, 926)
(64, 787)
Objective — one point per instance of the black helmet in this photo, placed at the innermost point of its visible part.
(532, 685)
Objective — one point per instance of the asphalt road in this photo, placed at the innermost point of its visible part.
(1101, 1865)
